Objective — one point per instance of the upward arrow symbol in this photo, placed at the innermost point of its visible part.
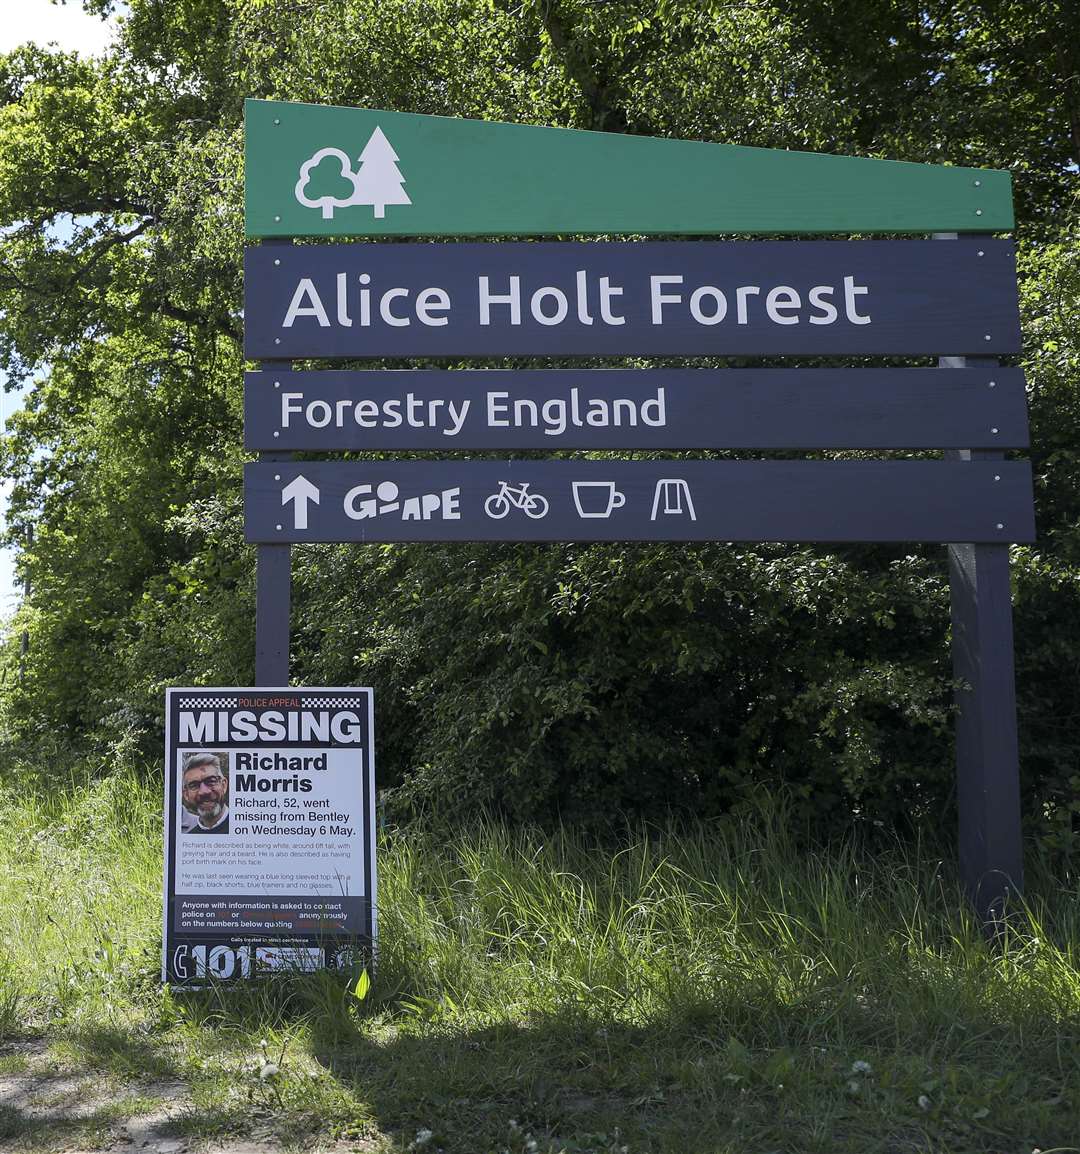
(300, 490)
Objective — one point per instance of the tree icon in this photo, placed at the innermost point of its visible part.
(327, 181)
(379, 182)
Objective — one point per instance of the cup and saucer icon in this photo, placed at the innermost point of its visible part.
(597, 498)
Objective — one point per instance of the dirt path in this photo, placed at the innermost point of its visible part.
(44, 1107)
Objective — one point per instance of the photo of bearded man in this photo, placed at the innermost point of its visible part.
(204, 793)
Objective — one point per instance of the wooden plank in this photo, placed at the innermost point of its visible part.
(273, 597)
(987, 743)
(987, 747)
(988, 752)
(757, 298)
(553, 409)
(615, 500)
(438, 176)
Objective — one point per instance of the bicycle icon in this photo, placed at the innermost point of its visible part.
(508, 497)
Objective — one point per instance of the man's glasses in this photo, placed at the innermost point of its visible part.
(213, 781)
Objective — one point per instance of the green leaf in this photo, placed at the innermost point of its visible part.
(363, 984)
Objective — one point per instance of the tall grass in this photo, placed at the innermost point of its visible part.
(735, 917)
(732, 920)
(729, 958)
(80, 894)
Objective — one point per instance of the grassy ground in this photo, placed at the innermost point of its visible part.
(705, 990)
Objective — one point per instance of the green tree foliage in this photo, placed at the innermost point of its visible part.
(987, 82)
(540, 679)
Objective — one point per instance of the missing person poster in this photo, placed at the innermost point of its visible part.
(269, 831)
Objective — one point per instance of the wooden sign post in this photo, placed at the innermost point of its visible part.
(344, 172)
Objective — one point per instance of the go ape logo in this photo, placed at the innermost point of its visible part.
(327, 179)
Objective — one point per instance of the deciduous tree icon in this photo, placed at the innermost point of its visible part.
(379, 182)
(327, 181)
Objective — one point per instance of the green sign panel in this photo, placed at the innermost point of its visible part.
(322, 171)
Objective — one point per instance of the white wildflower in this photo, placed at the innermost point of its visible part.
(269, 1070)
(924, 1102)
(861, 1067)
(423, 1137)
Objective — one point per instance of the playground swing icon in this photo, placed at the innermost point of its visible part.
(377, 181)
(674, 491)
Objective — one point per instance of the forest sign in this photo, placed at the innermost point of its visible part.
(585, 299)
(341, 172)
(639, 501)
(318, 171)
(799, 408)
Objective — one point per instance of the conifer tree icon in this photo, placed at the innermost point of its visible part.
(379, 182)
(327, 180)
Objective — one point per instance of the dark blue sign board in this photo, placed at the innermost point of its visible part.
(690, 298)
(387, 409)
(618, 500)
